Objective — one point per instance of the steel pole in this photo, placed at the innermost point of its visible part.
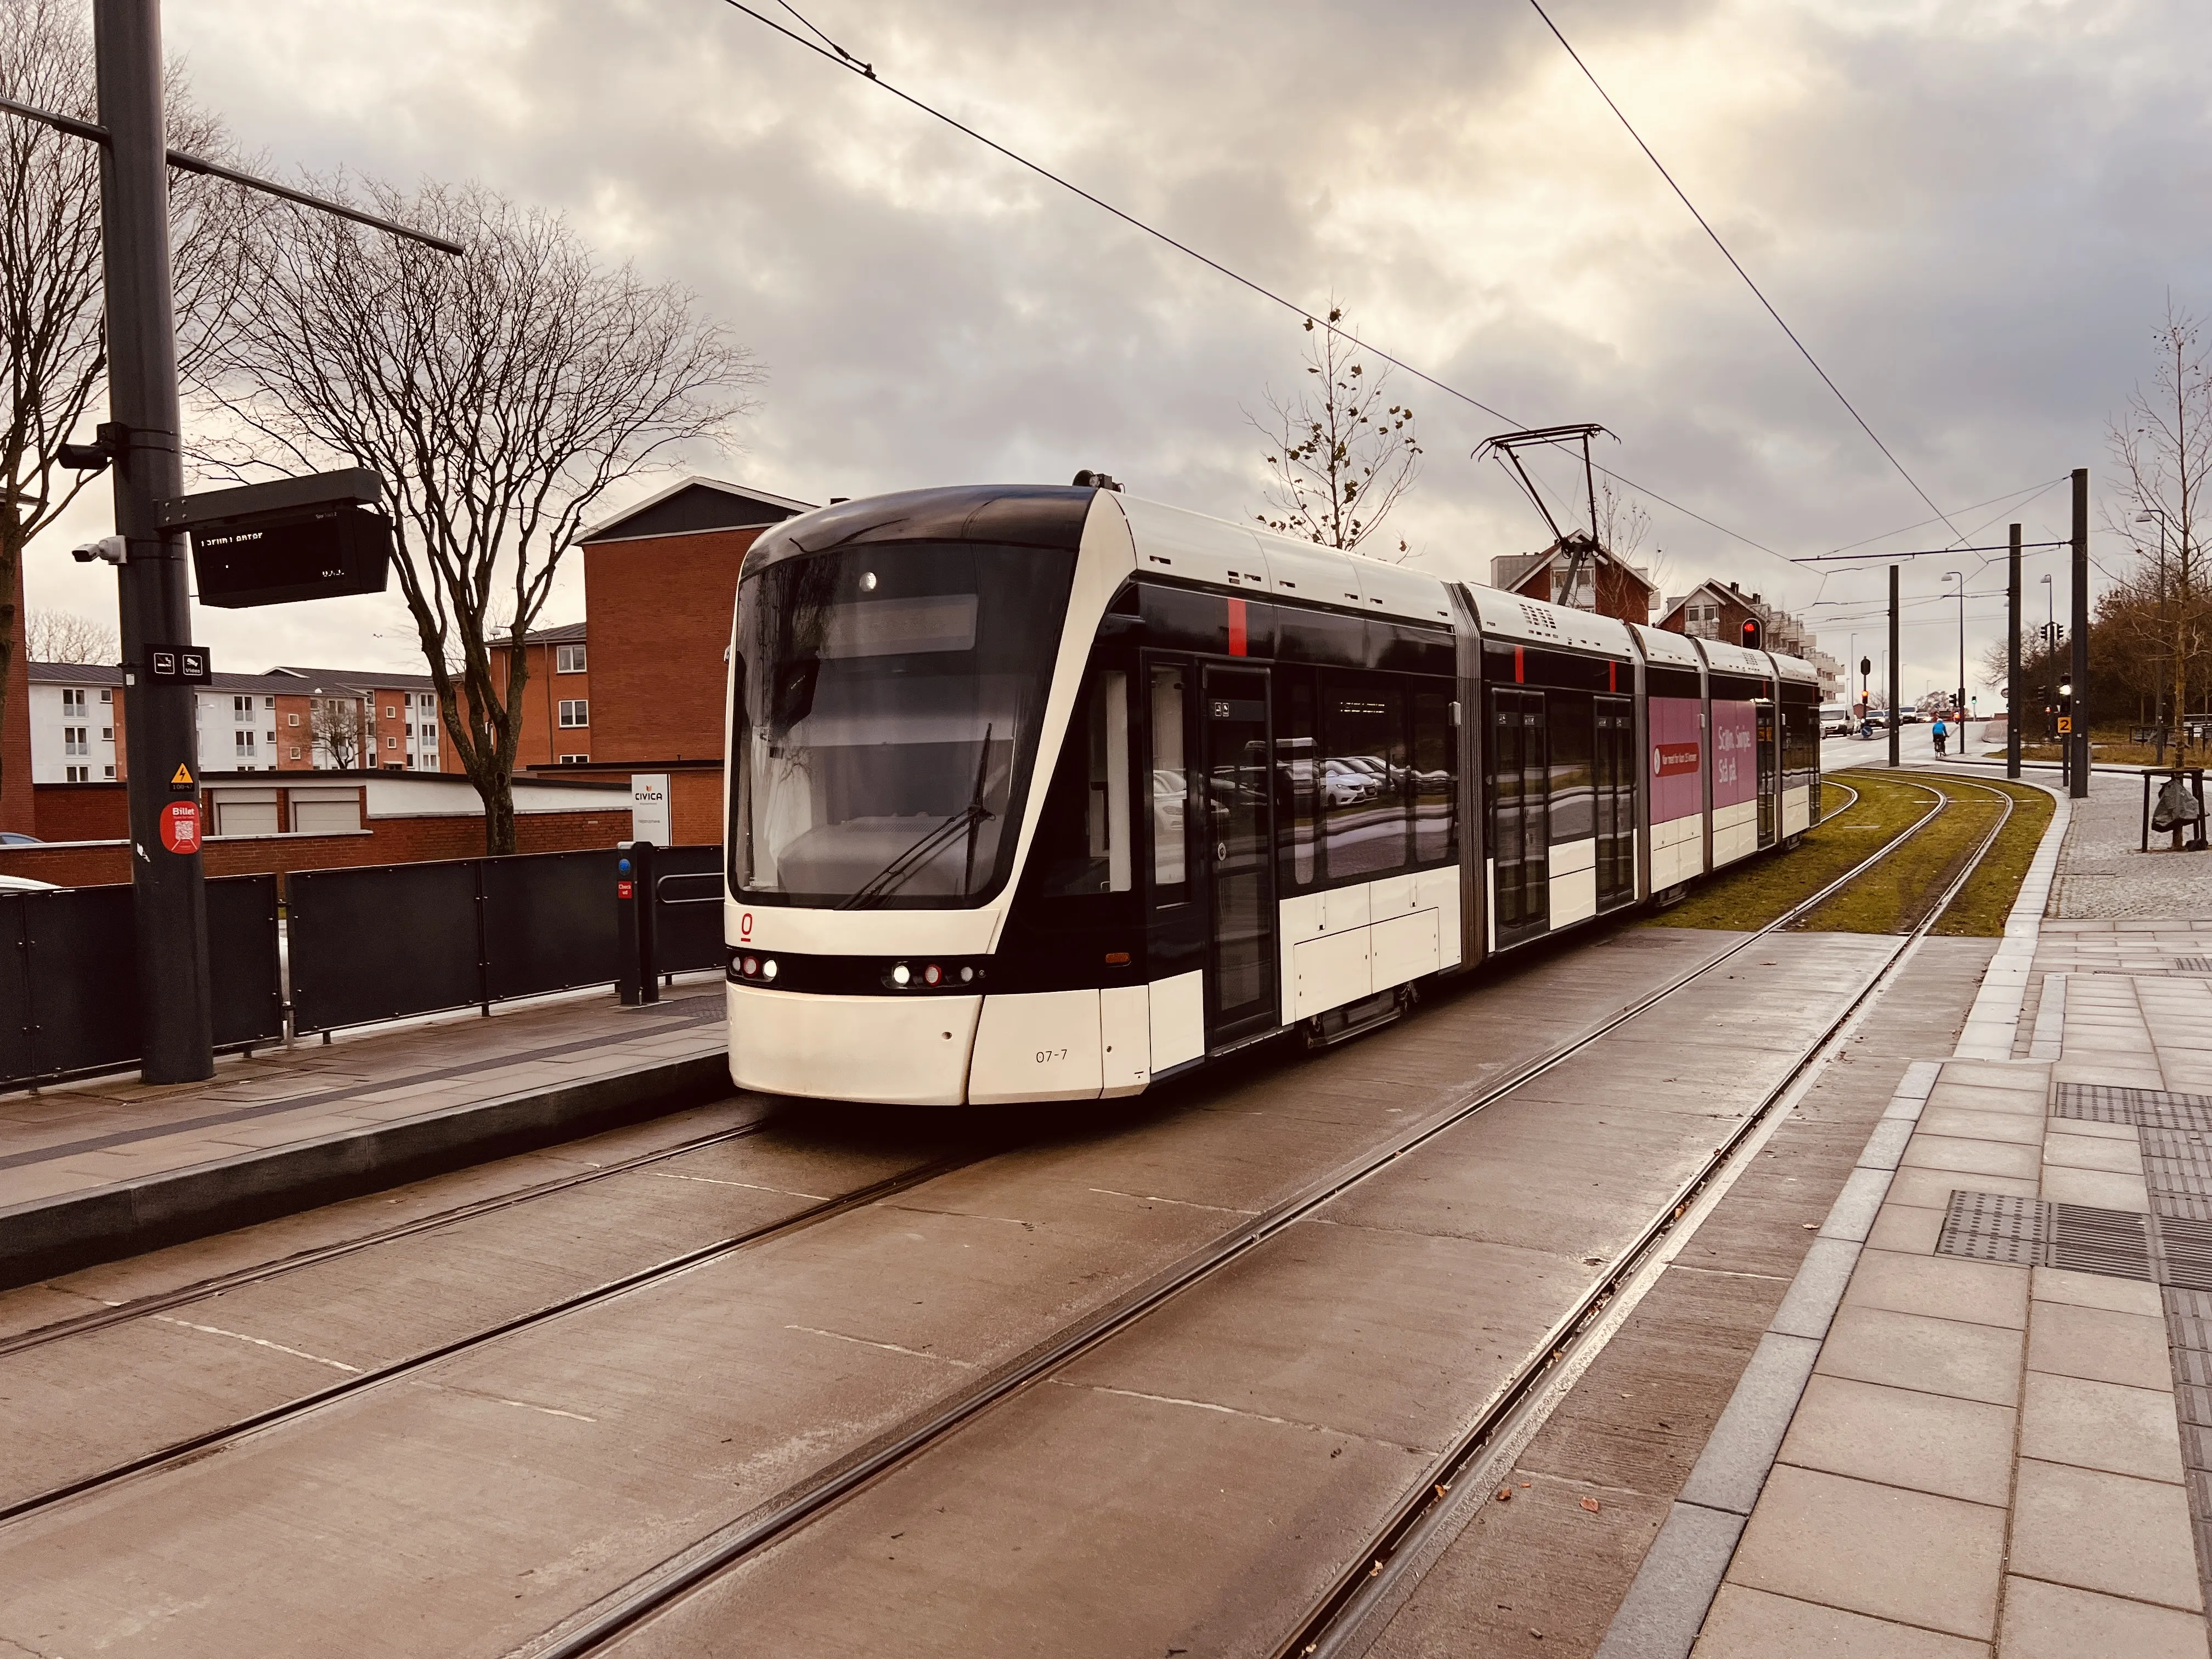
(2012, 659)
(1894, 669)
(169, 895)
(2078, 785)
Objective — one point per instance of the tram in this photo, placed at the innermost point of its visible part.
(1047, 793)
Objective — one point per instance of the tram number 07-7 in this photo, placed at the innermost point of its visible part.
(1046, 1056)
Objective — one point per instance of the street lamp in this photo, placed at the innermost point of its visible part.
(1959, 577)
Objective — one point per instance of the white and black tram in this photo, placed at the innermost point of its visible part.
(1042, 793)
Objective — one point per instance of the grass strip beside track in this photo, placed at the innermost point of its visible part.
(1895, 895)
(1986, 900)
(1756, 892)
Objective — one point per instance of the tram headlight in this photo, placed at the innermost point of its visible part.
(768, 968)
(900, 975)
(966, 975)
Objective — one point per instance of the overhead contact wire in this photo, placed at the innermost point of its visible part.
(835, 54)
(1736, 264)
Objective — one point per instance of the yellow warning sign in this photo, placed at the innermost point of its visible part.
(2065, 722)
(184, 774)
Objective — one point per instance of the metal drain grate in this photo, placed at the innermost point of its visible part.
(2192, 964)
(1995, 1227)
(2027, 1232)
(2151, 1109)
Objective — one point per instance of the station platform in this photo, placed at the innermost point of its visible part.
(96, 1170)
(1979, 1421)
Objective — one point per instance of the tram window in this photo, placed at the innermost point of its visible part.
(1434, 797)
(1083, 833)
(1364, 776)
(1171, 787)
(1298, 761)
(1574, 815)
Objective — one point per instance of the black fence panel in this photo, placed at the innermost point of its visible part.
(383, 941)
(243, 961)
(81, 956)
(687, 909)
(550, 922)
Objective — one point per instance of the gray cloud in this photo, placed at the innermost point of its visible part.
(1972, 212)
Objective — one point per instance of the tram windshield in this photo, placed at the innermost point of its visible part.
(888, 702)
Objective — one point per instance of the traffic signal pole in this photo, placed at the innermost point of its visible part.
(2013, 709)
(1895, 673)
(169, 895)
(2078, 745)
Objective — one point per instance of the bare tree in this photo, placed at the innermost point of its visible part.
(55, 350)
(1340, 457)
(66, 637)
(335, 725)
(2163, 449)
(500, 395)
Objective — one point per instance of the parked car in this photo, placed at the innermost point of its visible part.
(26, 884)
(1346, 784)
(17, 838)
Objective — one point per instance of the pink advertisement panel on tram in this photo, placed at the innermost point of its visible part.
(1736, 753)
(1676, 751)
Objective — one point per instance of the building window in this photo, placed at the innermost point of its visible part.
(391, 743)
(72, 705)
(291, 720)
(296, 752)
(268, 702)
(390, 713)
(107, 734)
(107, 697)
(241, 710)
(575, 712)
(569, 659)
(242, 743)
(78, 774)
(111, 774)
(73, 741)
(575, 760)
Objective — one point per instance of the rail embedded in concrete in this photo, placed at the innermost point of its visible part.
(44, 1237)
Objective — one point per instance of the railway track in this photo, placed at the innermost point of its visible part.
(595, 1628)
(799, 1505)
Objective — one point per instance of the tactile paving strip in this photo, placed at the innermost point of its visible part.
(2027, 1232)
(2150, 1108)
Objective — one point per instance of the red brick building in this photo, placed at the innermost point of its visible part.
(1600, 582)
(661, 582)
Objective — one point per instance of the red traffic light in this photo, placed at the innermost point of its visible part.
(1752, 633)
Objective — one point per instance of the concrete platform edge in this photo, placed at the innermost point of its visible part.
(40, 1239)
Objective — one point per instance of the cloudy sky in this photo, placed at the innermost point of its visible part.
(1971, 210)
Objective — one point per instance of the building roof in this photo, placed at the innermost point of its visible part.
(693, 506)
(350, 679)
(75, 673)
(561, 634)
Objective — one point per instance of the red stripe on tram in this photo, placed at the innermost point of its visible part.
(1520, 668)
(1235, 627)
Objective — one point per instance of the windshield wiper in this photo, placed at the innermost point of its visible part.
(902, 869)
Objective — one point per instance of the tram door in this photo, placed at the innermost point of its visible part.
(1239, 853)
(1615, 757)
(1770, 780)
(1520, 829)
